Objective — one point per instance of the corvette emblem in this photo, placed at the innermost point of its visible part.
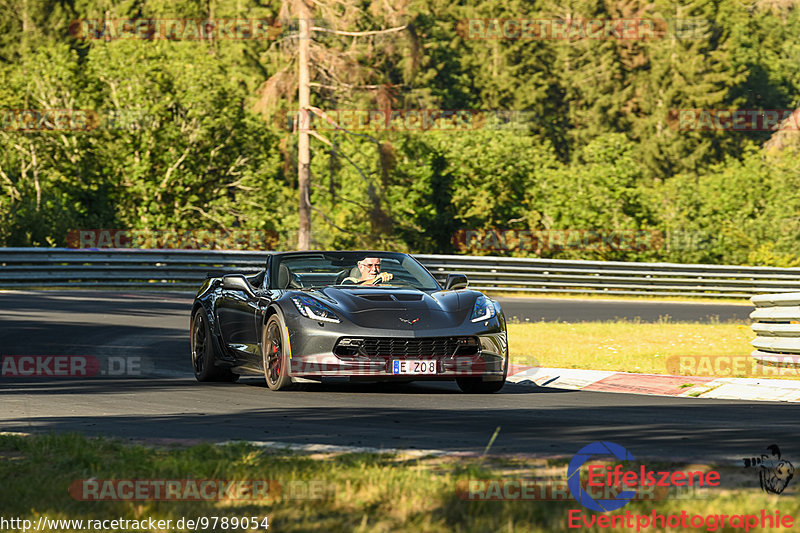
(409, 322)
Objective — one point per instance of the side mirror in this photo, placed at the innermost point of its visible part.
(237, 282)
(456, 281)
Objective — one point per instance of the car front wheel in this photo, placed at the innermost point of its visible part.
(274, 355)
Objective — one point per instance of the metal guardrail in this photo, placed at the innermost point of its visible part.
(776, 323)
(59, 267)
(614, 277)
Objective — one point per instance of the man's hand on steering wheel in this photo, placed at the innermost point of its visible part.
(383, 277)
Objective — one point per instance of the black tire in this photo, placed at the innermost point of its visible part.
(478, 386)
(274, 356)
(204, 353)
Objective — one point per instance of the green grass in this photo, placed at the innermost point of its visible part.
(629, 346)
(362, 492)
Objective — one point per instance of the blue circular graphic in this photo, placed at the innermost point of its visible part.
(574, 476)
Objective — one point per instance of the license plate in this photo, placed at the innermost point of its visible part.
(413, 366)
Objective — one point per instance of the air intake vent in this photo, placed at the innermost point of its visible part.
(378, 297)
(407, 297)
(392, 297)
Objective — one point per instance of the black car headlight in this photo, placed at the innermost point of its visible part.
(483, 310)
(313, 309)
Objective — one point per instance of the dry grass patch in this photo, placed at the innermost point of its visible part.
(622, 346)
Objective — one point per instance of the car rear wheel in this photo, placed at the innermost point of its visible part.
(275, 356)
(204, 354)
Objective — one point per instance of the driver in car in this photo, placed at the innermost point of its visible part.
(370, 270)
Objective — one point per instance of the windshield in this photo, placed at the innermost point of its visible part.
(306, 270)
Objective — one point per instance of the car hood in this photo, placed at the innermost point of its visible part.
(399, 308)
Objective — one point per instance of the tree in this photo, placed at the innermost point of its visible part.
(330, 63)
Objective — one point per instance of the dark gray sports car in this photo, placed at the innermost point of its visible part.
(369, 316)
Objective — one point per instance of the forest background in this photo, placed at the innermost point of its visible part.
(566, 133)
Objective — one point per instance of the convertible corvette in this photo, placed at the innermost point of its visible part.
(359, 316)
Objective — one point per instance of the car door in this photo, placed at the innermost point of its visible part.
(237, 314)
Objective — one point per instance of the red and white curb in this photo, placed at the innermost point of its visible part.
(773, 390)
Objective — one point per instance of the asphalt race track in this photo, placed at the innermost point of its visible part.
(143, 388)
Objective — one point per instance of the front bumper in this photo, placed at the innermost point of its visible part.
(490, 368)
(313, 348)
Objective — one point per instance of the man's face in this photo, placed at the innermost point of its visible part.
(369, 267)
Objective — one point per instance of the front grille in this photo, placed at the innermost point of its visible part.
(400, 347)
